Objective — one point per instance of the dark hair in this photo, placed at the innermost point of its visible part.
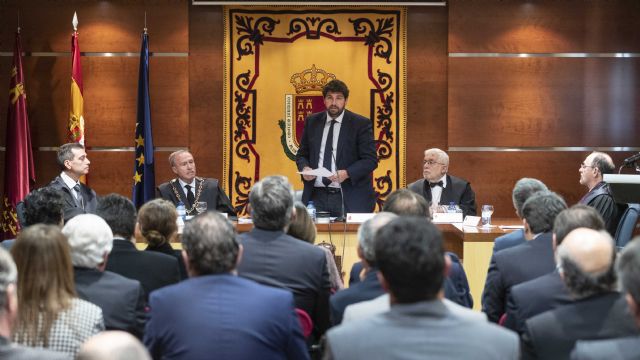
(119, 213)
(210, 242)
(523, 189)
(583, 284)
(336, 86)
(271, 201)
(410, 255)
(65, 152)
(629, 269)
(406, 202)
(541, 209)
(43, 206)
(302, 227)
(603, 162)
(157, 219)
(577, 216)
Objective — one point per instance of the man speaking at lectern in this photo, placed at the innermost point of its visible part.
(349, 154)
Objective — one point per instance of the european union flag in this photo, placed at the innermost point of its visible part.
(144, 179)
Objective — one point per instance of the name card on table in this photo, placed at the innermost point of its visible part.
(447, 218)
(472, 221)
(359, 218)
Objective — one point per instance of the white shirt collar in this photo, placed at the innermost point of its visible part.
(183, 184)
(68, 180)
(338, 119)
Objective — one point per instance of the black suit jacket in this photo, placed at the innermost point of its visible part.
(212, 194)
(534, 297)
(458, 191)
(513, 266)
(121, 299)
(296, 265)
(153, 270)
(71, 208)
(553, 334)
(366, 289)
(356, 153)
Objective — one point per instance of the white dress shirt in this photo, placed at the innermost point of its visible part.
(336, 136)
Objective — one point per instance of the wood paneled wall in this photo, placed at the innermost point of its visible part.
(454, 102)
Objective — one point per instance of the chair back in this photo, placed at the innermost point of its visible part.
(627, 225)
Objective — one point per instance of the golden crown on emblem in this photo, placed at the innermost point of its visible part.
(311, 79)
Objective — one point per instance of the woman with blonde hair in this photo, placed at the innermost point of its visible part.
(50, 315)
(157, 226)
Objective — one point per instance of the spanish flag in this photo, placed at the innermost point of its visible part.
(19, 169)
(76, 120)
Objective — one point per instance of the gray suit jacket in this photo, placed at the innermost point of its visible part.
(418, 331)
(626, 348)
(13, 351)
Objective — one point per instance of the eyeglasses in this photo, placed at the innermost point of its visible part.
(431, 163)
(583, 165)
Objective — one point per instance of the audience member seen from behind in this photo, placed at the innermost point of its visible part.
(113, 345)
(157, 226)
(412, 266)
(121, 299)
(223, 316)
(622, 348)
(50, 315)
(9, 315)
(303, 228)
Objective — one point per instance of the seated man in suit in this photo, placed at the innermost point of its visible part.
(624, 348)
(523, 189)
(9, 316)
(78, 197)
(121, 299)
(369, 287)
(189, 189)
(440, 188)
(350, 155)
(411, 260)
(281, 259)
(586, 260)
(592, 171)
(547, 292)
(222, 316)
(526, 261)
(153, 269)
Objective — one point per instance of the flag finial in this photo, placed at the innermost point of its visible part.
(18, 22)
(145, 22)
(75, 21)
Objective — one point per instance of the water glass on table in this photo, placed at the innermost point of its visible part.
(201, 207)
(487, 211)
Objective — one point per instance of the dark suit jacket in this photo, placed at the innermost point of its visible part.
(121, 299)
(153, 270)
(506, 241)
(223, 317)
(601, 199)
(212, 194)
(534, 297)
(297, 265)
(366, 289)
(71, 208)
(457, 191)
(168, 250)
(626, 348)
(513, 266)
(356, 153)
(553, 334)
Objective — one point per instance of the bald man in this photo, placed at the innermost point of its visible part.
(113, 345)
(586, 263)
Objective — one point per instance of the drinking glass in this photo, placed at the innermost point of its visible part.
(201, 206)
(487, 210)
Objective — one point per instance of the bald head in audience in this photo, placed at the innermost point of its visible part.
(406, 202)
(586, 258)
(113, 345)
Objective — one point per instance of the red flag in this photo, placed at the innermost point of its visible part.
(19, 172)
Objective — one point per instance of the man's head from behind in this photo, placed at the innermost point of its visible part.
(585, 259)
(72, 159)
(540, 211)
(577, 216)
(271, 201)
(8, 294)
(410, 257)
(209, 245)
(113, 345)
(90, 239)
(523, 189)
(629, 273)
(366, 236)
(43, 206)
(405, 202)
(119, 213)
